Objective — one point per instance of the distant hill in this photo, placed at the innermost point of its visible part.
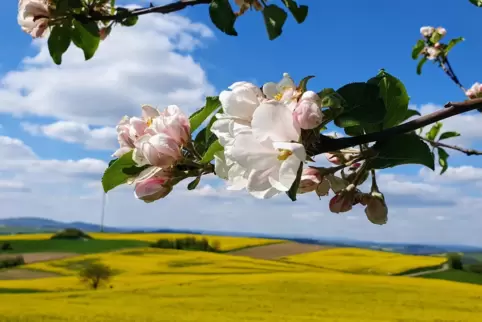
(35, 224)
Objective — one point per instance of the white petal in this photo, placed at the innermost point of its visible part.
(259, 184)
(221, 128)
(220, 166)
(251, 154)
(288, 170)
(238, 177)
(274, 120)
(270, 90)
(240, 103)
(148, 173)
(286, 83)
(149, 111)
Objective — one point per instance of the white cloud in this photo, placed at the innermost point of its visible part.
(104, 138)
(464, 173)
(149, 63)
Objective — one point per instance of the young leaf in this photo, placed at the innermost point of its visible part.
(448, 135)
(114, 175)
(274, 19)
(435, 37)
(86, 36)
(213, 148)
(452, 43)
(193, 184)
(299, 12)
(395, 97)
(402, 149)
(129, 21)
(432, 134)
(198, 117)
(59, 42)
(420, 65)
(477, 3)
(294, 187)
(442, 159)
(417, 49)
(304, 83)
(222, 16)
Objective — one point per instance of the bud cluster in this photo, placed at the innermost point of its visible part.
(433, 47)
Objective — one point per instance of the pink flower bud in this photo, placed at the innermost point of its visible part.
(376, 210)
(441, 31)
(475, 91)
(310, 179)
(344, 200)
(174, 123)
(333, 158)
(308, 113)
(437, 45)
(159, 150)
(427, 31)
(153, 188)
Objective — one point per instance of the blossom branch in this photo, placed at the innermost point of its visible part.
(438, 144)
(326, 144)
(168, 8)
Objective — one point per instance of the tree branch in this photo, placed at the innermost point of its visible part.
(168, 8)
(438, 144)
(327, 144)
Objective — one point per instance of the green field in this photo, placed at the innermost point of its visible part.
(71, 246)
(456, 276)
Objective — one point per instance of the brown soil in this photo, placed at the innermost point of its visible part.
(277, 251)
(30, 258)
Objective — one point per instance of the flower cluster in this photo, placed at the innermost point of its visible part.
(156, 140)
(432, 36)
(260, 131)
(34, 16)
(475, 91)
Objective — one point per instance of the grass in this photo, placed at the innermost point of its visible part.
(227, 243)
(308, 296)
(71, 246)
(363, 261)
(457, 276)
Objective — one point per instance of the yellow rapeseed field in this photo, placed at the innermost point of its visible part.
(152, 261)
(25, 237)
(355, 260)
(276, 297)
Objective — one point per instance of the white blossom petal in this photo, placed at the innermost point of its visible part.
(274, 121)
(252, 154)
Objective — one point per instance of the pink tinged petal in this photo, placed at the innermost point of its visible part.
(274, 121)
(121, 151)
(149, 112)
(152, 189)
(151, 172)
(251, 154)
(137, 127)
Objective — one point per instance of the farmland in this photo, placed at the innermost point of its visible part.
(295, 283)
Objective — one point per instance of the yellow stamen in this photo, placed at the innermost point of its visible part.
(284, 154)
(149, 121)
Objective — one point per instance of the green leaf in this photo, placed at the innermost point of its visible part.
(304, 83)
(442, 159)
(362, 106)
(448, 135)
(222, 16)
(294, 187)
(417, 49)
(111, 162)
(452, 43)
(402, 149)
(354, 130)
(59, 42)
(477, 3)
(395, 97)
(86, 36)
(134, 170)
(420, 65)
(129, 21)
(299, 12)
(410, 113)
(274, 19)
(193, 184)
(213, 148)
(432, 134)
(435, 37)
(198, 117)
(114, 175)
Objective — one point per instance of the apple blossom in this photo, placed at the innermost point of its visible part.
(310, 179)
(432, 53)
(269, 152)
(376, 209)
(441, 31)
(282, 91)
(323, 188)
(344, 200)
(226, 169)
(33, 17)
(308, 112)
(160, 150)
(336, 184)
(153, 188)
(427, 31)
(173, 122)
(475, 91)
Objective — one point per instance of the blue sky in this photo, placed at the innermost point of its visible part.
(56, 131)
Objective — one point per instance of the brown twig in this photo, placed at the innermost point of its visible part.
(326, 144)
(168, 8)
(438, 144)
